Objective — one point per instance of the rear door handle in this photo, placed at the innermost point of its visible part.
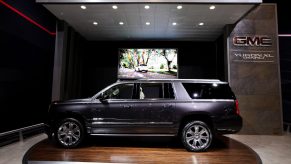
(127, 106)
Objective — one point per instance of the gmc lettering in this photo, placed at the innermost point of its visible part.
(258, 41)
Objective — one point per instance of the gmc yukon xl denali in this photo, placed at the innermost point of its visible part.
(194, 110)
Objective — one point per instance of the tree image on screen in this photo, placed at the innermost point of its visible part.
(147, 64)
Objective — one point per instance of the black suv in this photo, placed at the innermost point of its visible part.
(194, 110)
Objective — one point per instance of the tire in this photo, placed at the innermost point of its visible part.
(196, 136)
(69, 133)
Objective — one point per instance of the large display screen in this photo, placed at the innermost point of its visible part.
(148, 63)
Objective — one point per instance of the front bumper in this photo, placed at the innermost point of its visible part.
(48, 130)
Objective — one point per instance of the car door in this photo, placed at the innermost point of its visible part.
(115, 111)
(157, 106)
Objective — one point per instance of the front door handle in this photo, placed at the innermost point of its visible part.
(168, 106)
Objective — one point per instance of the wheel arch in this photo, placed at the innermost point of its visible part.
(73, 115)
(206, 118)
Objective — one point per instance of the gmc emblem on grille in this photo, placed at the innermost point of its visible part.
(258, 41)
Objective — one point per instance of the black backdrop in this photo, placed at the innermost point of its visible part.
(26, 62)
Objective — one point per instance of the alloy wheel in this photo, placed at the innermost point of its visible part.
(69, 133)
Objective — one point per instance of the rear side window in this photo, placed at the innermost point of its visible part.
(208, 91)
(151, 91)
(155, 91)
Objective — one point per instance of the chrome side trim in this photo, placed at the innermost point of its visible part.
(131, 123)
(124, 135)
(98, 119)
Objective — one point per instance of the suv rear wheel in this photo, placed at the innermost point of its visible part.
(196, 136)
(69, 133)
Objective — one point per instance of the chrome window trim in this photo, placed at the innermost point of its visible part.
(141, 100)
(166, 100)
(172, 82)
(134, 82)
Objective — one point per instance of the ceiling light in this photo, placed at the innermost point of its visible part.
(95, 23)
(148, 23)
(201, 24)
(114, 7)
(174, 23)
(146, 6)
(212, 7)
(121, 23)
(83, 7)
(179, 7)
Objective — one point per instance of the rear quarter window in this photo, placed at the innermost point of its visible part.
(208, 91)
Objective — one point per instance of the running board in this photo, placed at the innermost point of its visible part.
(144, 135)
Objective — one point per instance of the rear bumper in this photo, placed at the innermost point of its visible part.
(228, 124)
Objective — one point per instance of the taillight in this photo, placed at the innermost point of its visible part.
(236, 107)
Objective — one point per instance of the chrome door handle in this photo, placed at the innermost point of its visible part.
(168, 106)
(127, 106)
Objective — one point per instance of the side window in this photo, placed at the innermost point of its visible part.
(121, 91)
(208, 91)
(150, 90)
(218, 91)
(156, 90)
(194, 90)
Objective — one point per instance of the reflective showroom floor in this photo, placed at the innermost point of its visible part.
(271, 149)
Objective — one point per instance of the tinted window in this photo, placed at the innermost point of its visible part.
(155, 90)
(150, 90)
(208, 91)
(121, 91)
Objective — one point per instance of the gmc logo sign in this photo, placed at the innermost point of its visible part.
(258, 41)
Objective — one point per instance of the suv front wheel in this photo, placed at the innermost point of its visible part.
(196, 136)
(69, 133)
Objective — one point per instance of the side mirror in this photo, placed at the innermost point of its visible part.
(103, 98)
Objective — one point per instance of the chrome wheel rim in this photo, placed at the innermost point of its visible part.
(197, 137)
(69, 133)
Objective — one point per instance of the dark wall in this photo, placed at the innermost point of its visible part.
(285, 65)
(195, 60)
(26, 60)
(68, 63)
(221, 61)
(284, 27)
